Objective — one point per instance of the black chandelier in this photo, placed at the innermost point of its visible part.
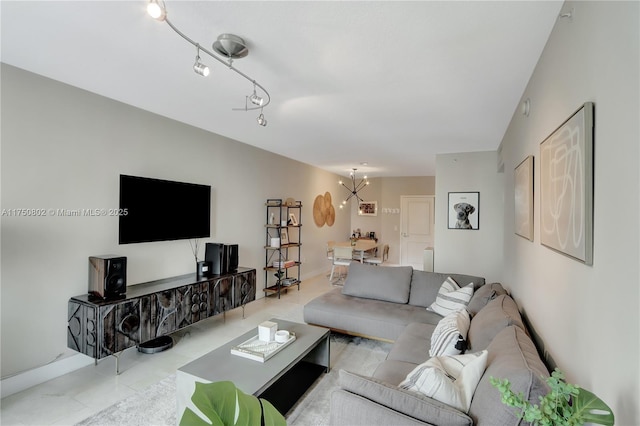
(355, 187)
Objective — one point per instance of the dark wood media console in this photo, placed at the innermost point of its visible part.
(100, 328)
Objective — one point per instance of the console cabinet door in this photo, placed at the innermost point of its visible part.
(244, 288)
(82, 328)
(157, 315)
(221, 295)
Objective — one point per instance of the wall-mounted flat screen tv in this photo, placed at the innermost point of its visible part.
(162, 210)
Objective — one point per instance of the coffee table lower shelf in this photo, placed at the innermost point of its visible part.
(281, 380)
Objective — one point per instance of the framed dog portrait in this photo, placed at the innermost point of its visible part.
(566, 187)
(464, 210)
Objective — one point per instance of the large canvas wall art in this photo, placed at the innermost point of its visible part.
(566, 187)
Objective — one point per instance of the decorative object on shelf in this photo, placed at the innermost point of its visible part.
(229, 46)
(267, 331)
(368, 208)
(224, 403)
(565, 404)
(355, 187)
(293, 220)
(566, 187)
(524, 198)
(464, 210)
(284, 236)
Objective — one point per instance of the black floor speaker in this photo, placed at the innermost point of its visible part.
(108, 276)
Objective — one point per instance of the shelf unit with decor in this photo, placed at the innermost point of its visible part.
(282, 262)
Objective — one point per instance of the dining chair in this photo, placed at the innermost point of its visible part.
(341, 257)
(379, 260)
(330, 245)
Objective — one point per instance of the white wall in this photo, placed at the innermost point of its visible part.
(587, 316)
(63, 147)
(475, 252)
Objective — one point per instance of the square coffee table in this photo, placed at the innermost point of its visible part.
(280, 380)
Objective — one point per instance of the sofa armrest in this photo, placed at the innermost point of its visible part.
(379, 400)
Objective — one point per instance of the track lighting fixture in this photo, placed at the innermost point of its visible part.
(198, 66)
(355, 187)
(228, 46)
(261, 120)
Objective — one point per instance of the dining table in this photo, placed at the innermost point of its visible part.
(361, 247)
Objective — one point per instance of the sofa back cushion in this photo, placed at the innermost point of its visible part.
(512, 356)
(425, 285)
(484, 295)
(499, 313)
(387, 283)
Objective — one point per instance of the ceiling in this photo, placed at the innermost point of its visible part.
(390, 83)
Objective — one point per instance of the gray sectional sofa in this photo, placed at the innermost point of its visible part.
(389, 303)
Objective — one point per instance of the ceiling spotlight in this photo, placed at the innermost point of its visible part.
(156, 11)
(198, 66)
(261, 120)
(254, 98)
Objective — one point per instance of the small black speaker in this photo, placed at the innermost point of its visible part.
(214, 254)
(231, 253)
(108, 276)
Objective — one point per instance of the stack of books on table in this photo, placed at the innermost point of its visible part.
(283, 263)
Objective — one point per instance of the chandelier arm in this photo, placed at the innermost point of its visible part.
(361, 185)
(229, 65)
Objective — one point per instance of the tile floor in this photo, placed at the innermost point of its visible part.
(75, 396)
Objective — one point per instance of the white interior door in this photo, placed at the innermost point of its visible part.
(417, 224)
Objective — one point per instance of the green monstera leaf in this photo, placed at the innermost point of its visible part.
(591, 409)
(226, 405)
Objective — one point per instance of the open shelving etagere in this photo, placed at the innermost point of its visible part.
(279, 277)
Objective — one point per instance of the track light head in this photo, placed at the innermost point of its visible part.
(201, 68)
(156, 11)
(198, 66)
(261, 120)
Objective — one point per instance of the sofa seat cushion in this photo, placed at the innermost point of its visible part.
(413, 344)
(499, 313)
(393, 371)
(411, 404)
(513, 356)
(391, 284)
(366, 317)
(425, 285)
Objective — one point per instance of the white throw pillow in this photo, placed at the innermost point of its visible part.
(451, 297)
(449, 379)
(449, 336)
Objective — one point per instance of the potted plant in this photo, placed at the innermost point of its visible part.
(225, 405)
(564, 405)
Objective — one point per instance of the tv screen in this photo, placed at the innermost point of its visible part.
(162, 210)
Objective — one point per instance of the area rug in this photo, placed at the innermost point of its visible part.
(156, 405)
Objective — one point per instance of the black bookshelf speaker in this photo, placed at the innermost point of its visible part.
(214, 255)
(108, 276)
(231, 253)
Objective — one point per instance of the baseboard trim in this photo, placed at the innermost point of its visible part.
(38, 375)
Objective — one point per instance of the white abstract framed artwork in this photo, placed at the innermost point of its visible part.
(566, 187)
(523, 194)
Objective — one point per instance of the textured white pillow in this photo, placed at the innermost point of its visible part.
(451, 297)
(450, 330)
(449, 379)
